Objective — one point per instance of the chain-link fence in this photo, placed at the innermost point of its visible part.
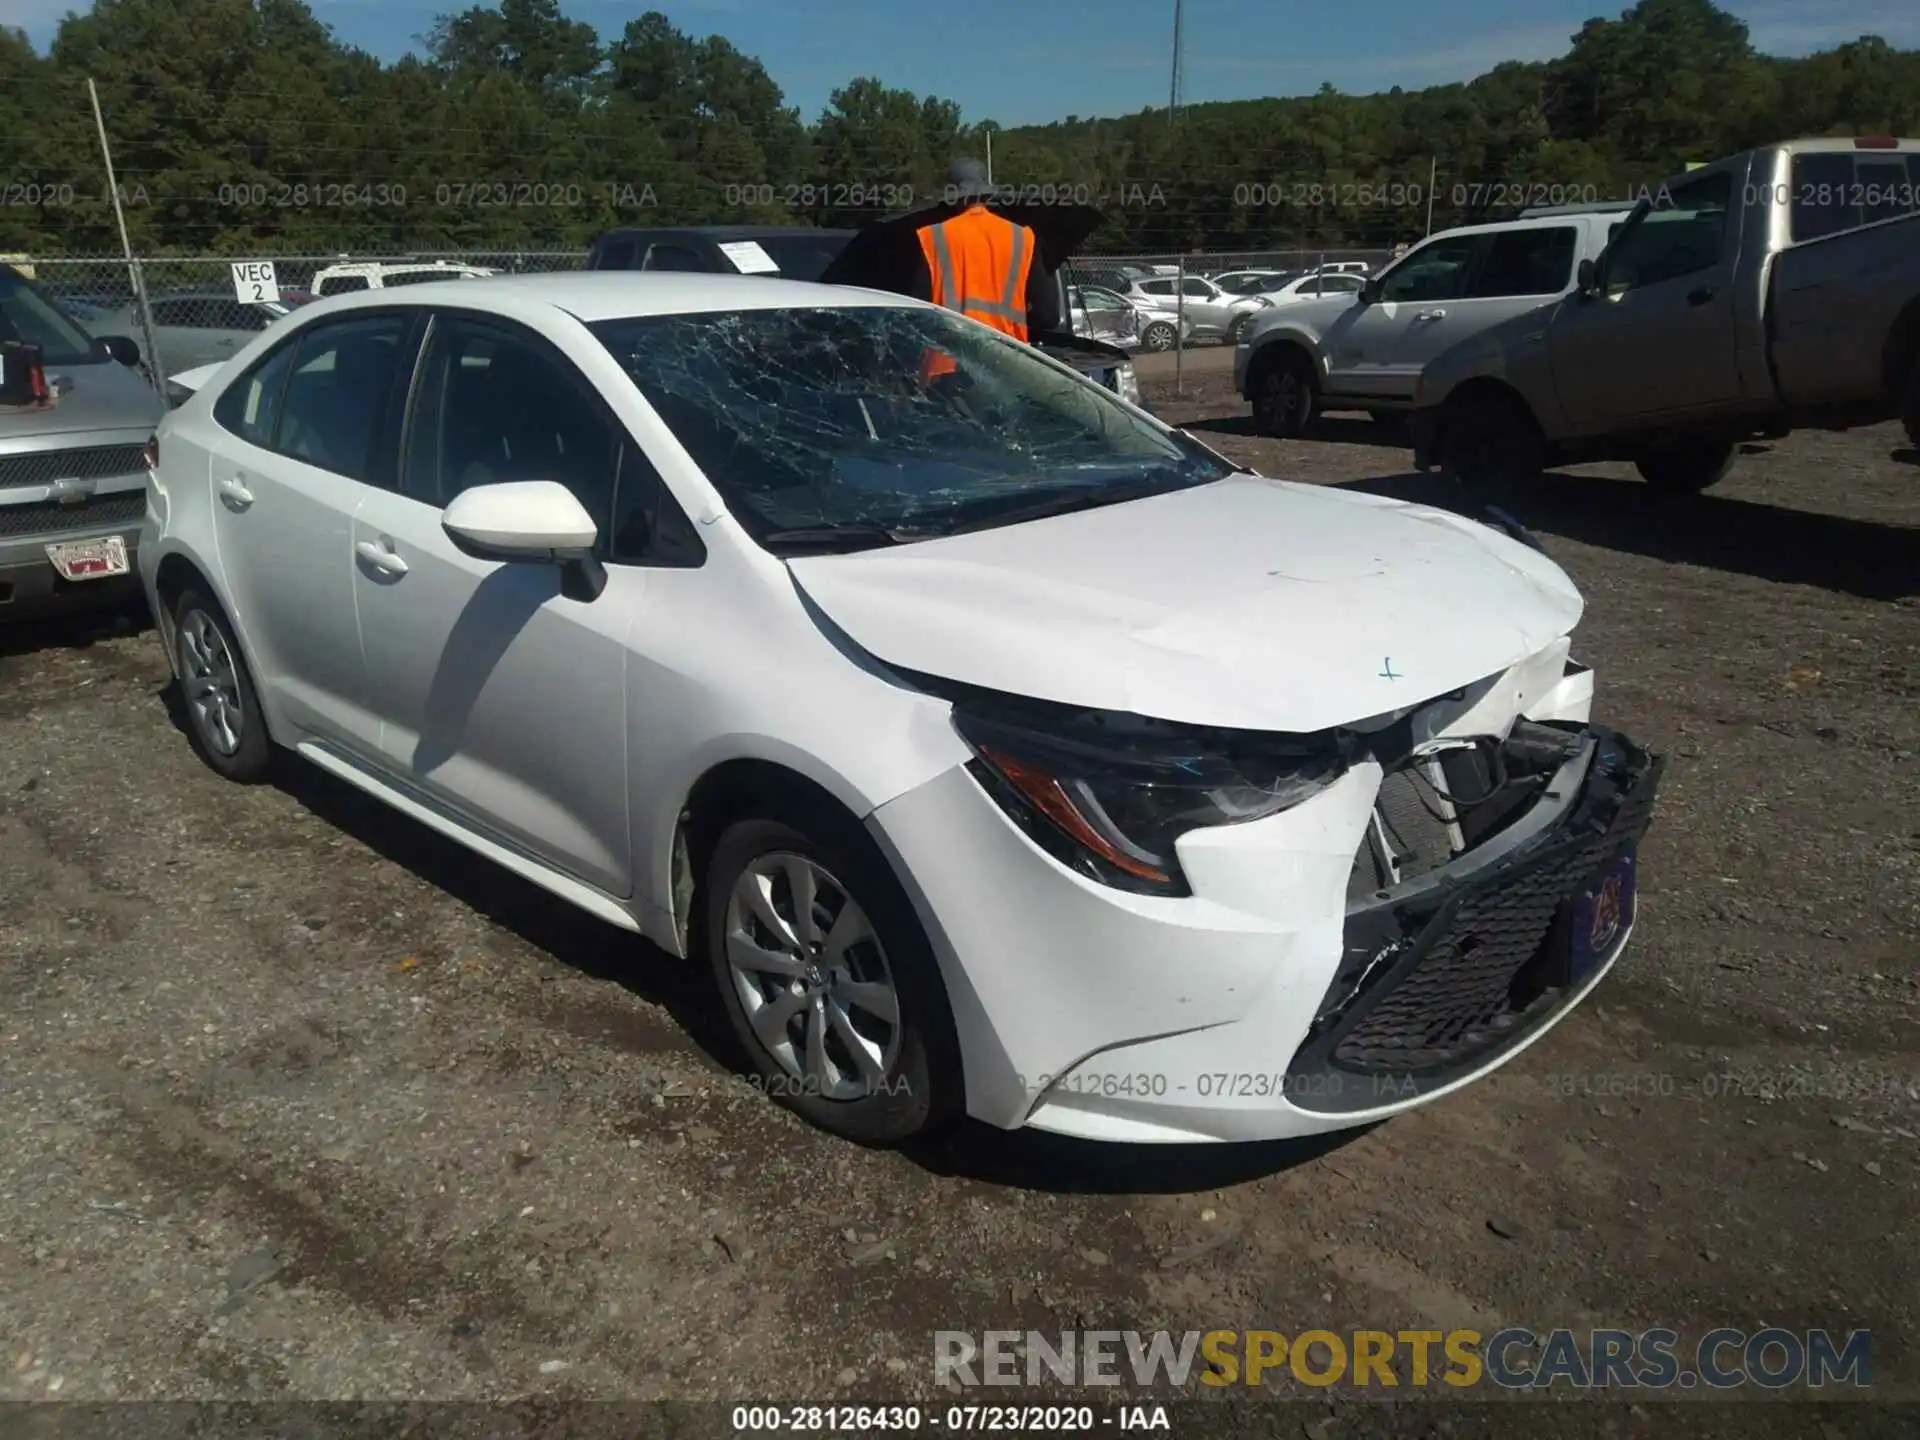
(1220, 262)
(195, 315)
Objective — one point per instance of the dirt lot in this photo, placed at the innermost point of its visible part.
(301, 1102)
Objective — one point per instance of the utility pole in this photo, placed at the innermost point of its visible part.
(989, 157)
(1433, 179)
(1173, 91)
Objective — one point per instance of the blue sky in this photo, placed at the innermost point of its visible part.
(1110, 57)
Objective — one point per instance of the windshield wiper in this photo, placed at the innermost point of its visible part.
(850, 537)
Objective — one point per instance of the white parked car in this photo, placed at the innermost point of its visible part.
(379, 274)
(1316, 286)
(999, 749)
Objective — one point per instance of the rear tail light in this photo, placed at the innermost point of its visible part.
(1876, 142)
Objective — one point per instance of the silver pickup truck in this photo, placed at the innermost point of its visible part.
(75, 419)
(1774, 290)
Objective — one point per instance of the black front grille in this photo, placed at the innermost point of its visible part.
(47, 517)
(1434, 983)
(85, 462)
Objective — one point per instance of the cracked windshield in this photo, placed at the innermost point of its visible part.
(862, 426)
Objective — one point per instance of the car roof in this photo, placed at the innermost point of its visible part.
(388, 267)
(592, 295)
(1527, 222)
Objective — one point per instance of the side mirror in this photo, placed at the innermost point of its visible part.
(1587, 277)
(1370, 291)
(119, 347)
(529, 522)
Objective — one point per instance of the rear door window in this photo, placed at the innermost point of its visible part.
(250, 408)
(675, 257)
(338, 396)
(1537, 260)
(617, 255)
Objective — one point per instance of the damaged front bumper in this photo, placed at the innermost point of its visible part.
(1443, 978)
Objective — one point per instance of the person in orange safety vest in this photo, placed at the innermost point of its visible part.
(983, 266)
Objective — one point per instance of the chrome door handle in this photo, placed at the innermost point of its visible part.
(1431, 315)
(380, 558)
(235, 490)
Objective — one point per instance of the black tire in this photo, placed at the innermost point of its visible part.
(921, 1087)
(1158, 336)
(197, 621)
(1491, 445)
(1910, 408)
(1286, 395)
(1686, 468)
(1237, 329)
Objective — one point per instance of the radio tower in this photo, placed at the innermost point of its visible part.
(1173, 93)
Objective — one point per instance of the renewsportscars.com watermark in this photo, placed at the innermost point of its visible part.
(1512, 1359)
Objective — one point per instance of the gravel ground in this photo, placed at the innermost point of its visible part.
(304, 1103)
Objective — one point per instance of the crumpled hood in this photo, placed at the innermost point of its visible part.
(1248, 603)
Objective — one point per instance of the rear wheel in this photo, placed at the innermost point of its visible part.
(1285, 395)
(1237, 330)
(829, 981)
(223, 709)
(1687, 467)
(1160, 335)
(1491, 443)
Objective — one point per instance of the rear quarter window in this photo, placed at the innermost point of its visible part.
(1842, 190)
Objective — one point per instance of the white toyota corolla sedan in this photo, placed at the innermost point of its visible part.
(1001, 750)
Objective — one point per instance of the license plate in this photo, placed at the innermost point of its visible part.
(1600, 914)
(89, 559)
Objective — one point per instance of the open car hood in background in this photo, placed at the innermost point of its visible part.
(885, 254)
(1246, 603)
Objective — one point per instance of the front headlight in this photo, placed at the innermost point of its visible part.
(1108, 795)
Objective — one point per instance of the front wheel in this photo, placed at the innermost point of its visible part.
(1237, 329)
(830, 983)
(1160, 335)
(1285, 395)
(1686, 468)
(1492, 445)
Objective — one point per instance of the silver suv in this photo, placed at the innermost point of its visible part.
(1209, 311)
(73, 480)
(1366, 351)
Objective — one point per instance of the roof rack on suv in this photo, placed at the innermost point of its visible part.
(1596, 207)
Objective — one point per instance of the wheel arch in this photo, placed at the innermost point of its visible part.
(1274, 347)
(751, 783)
(1902, 351)
(1474, 390)
(178, 572)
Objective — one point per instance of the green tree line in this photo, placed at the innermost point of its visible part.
(245, 126)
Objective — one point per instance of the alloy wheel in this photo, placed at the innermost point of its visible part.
(812, 977)
(207, 676)
(1285, 402)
